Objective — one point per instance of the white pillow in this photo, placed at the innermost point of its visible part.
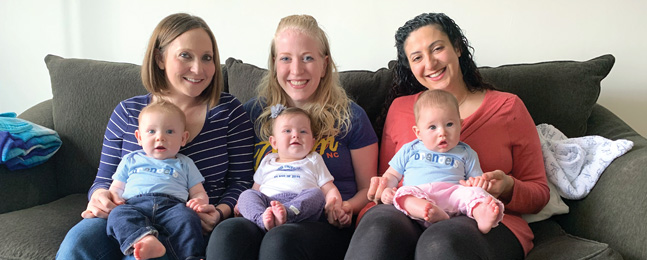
(555, 206)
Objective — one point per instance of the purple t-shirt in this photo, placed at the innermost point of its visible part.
(335, 150)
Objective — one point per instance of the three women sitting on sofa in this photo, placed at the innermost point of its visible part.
(181, 66)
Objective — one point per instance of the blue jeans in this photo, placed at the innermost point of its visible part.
(88, 240)
(175, 225)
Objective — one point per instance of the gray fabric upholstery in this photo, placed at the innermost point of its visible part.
(35, 233)
(551, 242)
(615, 211)
(36, 211)
(84, 94)
(560, 93)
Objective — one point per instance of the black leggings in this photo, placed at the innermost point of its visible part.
(386, 233)
(239, 238)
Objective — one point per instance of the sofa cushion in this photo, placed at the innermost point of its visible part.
(84, 94)
(560, 93)
(37, 232)
(551, 242)
(242, 79)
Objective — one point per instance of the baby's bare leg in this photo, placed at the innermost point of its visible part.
(485, 213)
(148, 247)
(423, 209)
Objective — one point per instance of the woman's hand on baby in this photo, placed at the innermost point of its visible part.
(209, 217)
(375, 190)
(479, 181)
(101, 203)
(344, 215)
(339, 215)
(500, 184)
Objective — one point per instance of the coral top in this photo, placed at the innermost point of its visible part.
(504, 135)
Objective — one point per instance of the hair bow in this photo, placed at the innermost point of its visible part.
(276, 110)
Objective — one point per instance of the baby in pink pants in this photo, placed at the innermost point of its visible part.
(433, 166)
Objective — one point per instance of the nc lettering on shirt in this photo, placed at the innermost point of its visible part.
(166, 170)
(436, 158)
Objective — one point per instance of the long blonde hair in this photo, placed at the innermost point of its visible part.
(330, 108)
(174, 25)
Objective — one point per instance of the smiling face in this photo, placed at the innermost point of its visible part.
(438, 127)
(433, 59)
(292, 136)
(188, 63)
(299, 65)
(161, 133)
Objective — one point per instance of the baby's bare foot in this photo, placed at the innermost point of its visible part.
(148, 247)
(423, 209)
(486, 214)
(280, 215)
(268, 219)
(433, 213)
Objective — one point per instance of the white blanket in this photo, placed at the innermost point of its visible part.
(574, 165)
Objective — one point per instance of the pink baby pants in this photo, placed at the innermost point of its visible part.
(455, 199)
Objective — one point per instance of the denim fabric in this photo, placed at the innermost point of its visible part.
(176, 226)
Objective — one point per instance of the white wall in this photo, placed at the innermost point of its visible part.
(361, 35)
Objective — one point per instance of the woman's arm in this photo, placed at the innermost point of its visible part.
(365, 165)
(240, 150)
(525, 188)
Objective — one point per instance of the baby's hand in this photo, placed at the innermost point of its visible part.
(343, 217)
(387, 195)
(236, 211)
(194, 204)
(479, 181)
(87, 214)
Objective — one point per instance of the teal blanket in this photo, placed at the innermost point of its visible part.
(24, 144)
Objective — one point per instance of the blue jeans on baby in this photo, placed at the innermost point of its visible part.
(176, 226)
(88, 240)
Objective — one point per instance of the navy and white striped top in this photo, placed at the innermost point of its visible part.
(222, 151)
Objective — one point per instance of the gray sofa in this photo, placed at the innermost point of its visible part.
(41, 204)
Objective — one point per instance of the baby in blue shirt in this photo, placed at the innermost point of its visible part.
(433, 166)
(155, 183)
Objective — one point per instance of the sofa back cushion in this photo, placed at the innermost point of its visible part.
(84, 94)
(560, 93)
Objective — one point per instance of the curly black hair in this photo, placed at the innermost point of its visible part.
(405, 83)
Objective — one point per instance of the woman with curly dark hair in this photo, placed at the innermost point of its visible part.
(433, 53)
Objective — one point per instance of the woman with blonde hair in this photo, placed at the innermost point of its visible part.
(302, 74)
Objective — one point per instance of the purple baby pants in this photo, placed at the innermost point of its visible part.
(304, 206)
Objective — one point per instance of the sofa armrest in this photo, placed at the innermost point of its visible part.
(41, 113)
(614, 212)
(33, 186)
